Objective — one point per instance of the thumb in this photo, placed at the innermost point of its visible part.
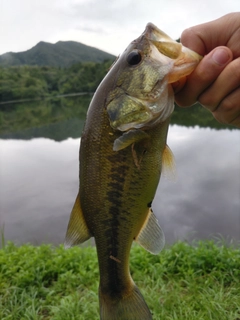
(203, 76)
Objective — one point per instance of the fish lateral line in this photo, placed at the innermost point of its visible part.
(122, 157)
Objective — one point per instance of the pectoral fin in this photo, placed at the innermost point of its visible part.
(129, 137)
(77, 231)
(168, 164)
(151, 236)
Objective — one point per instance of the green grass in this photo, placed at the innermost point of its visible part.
(200, 281)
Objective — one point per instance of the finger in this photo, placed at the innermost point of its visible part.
(177, 86)
(192, 39)
(228, 111)
(203, 76)
(205, 37)
(227, 81)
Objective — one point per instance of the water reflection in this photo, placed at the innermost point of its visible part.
(206, 198)
(39, 182)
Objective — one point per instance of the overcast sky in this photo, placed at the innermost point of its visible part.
(106, 24)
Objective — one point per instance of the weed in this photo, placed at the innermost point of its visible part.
(200, 281)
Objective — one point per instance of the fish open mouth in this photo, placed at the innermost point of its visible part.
(143, 95)
(185, 60)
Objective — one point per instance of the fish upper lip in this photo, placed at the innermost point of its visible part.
(170, 48)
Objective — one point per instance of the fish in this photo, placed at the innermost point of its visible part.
(123, 151)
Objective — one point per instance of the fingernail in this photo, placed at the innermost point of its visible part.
(221, 56)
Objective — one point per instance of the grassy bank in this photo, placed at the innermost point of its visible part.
(183, 282)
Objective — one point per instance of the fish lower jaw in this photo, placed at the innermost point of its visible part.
(134, 123)
(160, 111)
(156, 111)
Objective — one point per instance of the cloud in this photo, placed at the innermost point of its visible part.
(107, 24)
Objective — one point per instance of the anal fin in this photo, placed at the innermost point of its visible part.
(151, 236)
(77, 231)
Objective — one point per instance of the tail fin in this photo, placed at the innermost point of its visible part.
(129, 307)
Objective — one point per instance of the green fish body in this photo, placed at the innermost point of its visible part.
(123, 149)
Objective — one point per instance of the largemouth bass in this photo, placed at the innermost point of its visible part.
(123, 148)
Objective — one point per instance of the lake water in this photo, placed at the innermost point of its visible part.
(39, 183)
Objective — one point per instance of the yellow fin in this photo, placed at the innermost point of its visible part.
(129, 137)
(151, 236)
(168, 164)
(77, 231)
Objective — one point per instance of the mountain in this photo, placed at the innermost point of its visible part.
(60, 54)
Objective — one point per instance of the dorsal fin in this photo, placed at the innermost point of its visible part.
(77, 231)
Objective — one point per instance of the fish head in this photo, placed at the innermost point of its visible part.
(142, 95)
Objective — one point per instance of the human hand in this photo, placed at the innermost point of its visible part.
(215, 83)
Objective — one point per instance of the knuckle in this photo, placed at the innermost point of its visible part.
(236, 70)
(227, 105)
(192, 38)
(218, 116)
(233, 72)
(225, 113)
(207, 100)
(186, 33)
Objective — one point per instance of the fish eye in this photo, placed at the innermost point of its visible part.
(134, 58)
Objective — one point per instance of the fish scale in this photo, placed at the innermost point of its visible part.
(126, 197)
(123, 148)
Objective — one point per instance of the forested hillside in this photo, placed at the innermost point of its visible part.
(60, 54)
(29, 82)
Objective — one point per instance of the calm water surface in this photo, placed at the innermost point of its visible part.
(39, 183)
